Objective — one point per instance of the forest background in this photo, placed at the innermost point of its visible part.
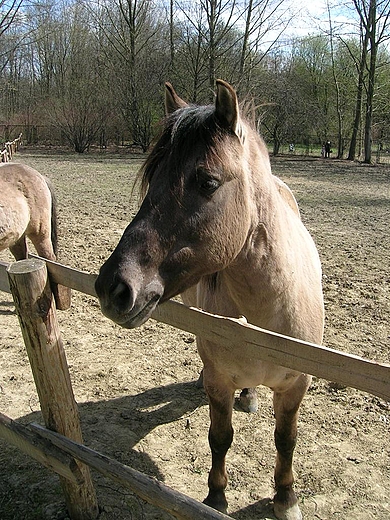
(91, 72)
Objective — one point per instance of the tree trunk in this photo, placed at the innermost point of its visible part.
(371, 84)
(337, 88)
(359, 97)
(245, 40)
(212, 27)
(171, 38)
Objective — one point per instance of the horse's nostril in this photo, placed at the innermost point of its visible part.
(121, 296)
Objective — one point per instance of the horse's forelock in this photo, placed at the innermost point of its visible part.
(190, 120)
(183, 129)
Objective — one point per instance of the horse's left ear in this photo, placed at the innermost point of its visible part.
(172, 101)
(226, 106)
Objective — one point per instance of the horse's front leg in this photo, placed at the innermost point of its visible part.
(286, 407)
(220, 438)
(248, 397)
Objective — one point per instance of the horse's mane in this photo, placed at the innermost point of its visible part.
(182, 130)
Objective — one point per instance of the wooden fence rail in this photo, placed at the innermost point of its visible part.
(58, 453)
(33, 303)
(341, 367)
(10, 147)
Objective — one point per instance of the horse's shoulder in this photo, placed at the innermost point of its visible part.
(287, 195)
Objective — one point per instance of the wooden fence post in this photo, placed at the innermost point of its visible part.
(35, 307)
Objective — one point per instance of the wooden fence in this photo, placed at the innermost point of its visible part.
(62, 450)
(10, 147)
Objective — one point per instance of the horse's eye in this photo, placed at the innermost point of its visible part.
(209, 186)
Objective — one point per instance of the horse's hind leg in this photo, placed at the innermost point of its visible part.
(286, 407)
(248, 400)
(44, 248)
(43, 245)
(19, 249)
(220, 439)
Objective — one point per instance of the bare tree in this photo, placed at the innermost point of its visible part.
(131, 32)
(8, 12)
(72, 75)
(337, 89)
(211, 24)
(361, 66)
(374, 17)
(262, 18)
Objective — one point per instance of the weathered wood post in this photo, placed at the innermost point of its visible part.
(35, 307)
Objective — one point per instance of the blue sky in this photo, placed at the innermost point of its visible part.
(313, 16)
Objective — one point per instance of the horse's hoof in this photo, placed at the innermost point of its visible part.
(199, 382)
(287, 513)
(248, 400)
(217, 501)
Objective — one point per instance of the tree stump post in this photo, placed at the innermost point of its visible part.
(35, 307)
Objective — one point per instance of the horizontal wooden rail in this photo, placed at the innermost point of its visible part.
(58, 454)
(265, 345)
(33, 445)
(151, 490)
(257, 343)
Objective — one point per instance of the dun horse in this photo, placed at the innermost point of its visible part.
(28, 209)
(213, 215)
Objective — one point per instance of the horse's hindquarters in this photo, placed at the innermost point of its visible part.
(13, 219)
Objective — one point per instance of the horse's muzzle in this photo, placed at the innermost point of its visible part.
(126, 304)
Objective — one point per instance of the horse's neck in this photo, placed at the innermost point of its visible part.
(259, 273)
(266, 282)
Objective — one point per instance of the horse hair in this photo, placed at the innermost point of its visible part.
(184, 128)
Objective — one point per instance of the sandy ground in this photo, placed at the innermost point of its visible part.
(136, 391)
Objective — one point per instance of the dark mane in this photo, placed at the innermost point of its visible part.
(183, 129)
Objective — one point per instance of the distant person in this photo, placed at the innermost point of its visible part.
(328, 151)
(292, 148)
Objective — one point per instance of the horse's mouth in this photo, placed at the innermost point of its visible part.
(137, 317)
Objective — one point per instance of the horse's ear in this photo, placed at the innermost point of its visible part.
(226, 106)
(172, 100)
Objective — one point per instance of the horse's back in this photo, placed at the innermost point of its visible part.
(22, 177)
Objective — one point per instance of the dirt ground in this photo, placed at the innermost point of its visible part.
(135, 389)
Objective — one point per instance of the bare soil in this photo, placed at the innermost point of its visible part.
(135, 389)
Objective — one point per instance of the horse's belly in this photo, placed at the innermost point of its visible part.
(242, 371)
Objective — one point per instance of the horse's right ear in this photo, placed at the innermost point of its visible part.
(226, 106)
(172, 101)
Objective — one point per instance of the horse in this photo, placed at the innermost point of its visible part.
(214, 217)
(28, 208)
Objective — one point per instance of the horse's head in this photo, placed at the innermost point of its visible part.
(196, 213)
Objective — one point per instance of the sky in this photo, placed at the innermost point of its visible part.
(312, 17)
